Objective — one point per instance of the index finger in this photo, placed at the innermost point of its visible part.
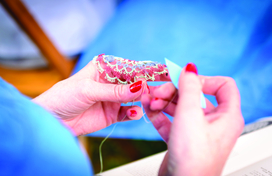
(228, 98)
(228, 111)
(224, 89)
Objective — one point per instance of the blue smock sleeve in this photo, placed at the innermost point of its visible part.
(33, 142)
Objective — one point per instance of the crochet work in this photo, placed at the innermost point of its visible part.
(124, 71)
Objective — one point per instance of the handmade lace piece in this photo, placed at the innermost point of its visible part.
(124, 71)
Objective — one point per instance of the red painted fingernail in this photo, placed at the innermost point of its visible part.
(135, 87)
(133, 113)
(148, 89)
(191, 67)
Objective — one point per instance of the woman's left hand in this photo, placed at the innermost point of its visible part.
(86, 104)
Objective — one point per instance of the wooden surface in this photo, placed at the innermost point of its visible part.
(34, 82)
(31, 82)
(27, 22)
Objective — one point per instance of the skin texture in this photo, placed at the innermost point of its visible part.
(199, 140)
(86, 103)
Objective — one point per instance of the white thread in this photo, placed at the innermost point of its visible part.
(144, 115)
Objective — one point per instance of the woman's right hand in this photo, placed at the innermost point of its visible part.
(199, 141)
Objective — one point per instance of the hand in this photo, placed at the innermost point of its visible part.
(199, 141)
(86, 103)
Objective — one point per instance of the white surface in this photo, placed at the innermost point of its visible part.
(250, 148)
(262, 168)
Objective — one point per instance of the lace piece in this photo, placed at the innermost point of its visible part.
(124, 71)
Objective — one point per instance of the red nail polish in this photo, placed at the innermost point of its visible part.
(135, 87)
(191, 67)
(133, 113)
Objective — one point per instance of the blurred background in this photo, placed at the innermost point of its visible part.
(43, 42)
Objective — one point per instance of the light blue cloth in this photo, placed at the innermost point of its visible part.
(229, 38)
(174, 72)
(33, 142)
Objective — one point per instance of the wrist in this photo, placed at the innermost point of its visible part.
(49, 99)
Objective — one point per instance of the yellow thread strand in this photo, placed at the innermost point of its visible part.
(101, 144)
(163, 108)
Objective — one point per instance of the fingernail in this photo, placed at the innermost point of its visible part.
(133, 113)
(191, 67)
(154, 99)
(148, 89)
(135, 87)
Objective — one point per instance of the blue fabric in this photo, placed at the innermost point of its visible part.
(229, 38)
(33, 142)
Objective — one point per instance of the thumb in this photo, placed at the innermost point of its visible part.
(189, 103)
(118, 93)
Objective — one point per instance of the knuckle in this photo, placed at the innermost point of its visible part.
(228, 80)
(167, 89)
(232, 85)
(119, 92)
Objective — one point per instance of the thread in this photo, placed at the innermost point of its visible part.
(145, 119)
(101, 144)
(176, 93)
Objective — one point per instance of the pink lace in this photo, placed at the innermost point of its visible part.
(124, 71)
